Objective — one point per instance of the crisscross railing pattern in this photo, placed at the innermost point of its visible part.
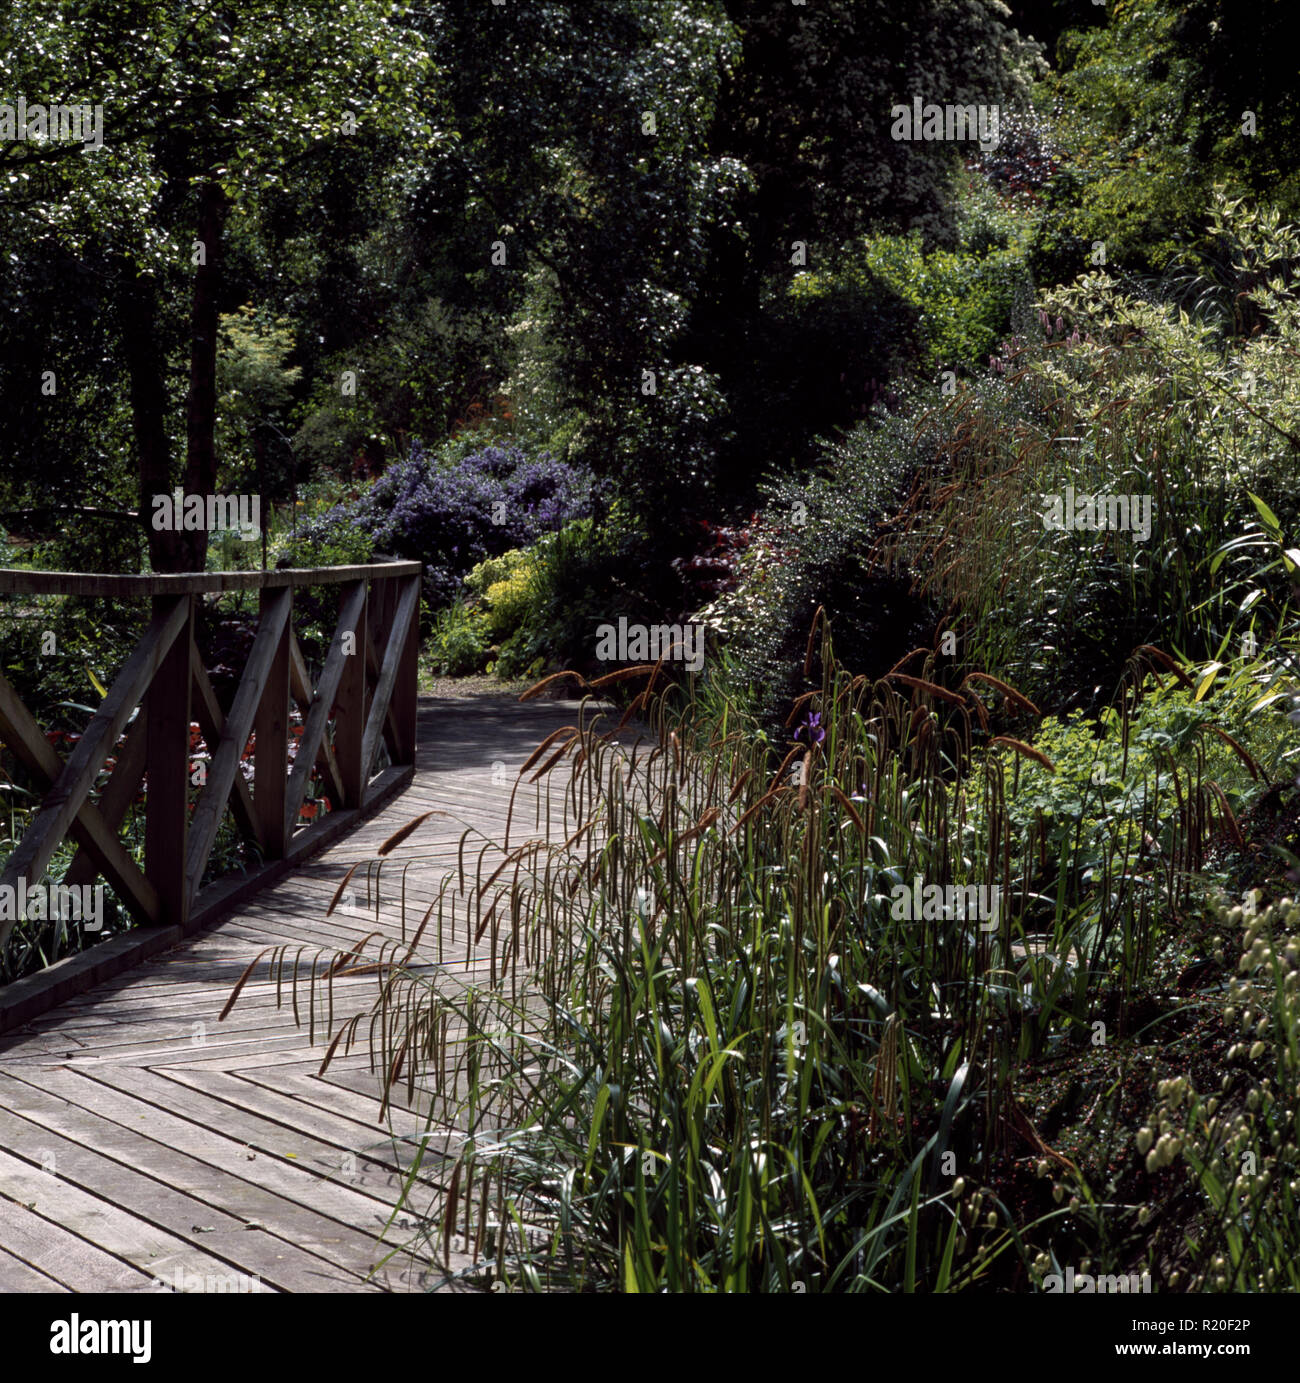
(367, 687)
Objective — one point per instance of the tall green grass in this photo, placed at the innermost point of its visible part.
(691, 1046)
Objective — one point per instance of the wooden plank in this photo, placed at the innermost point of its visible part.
(381, 614)
(118, 794)
(193, 1030)
(321, 1092)
(407, 609)
(24, 999)
(76, 1264)
(161, 1051)
(167, 715)
(327, 936)
(406, 690)
(62, 803)
(216, 1134)
(317, 715)
(212, 719)
(274, 1061)
(373, 669)
(271, 742)
(349, 725)
(205, 1230)
(220, 897)
(362, 1082)
(378, 1142)
(303, 693)
(380, 621)
(289, 1247)
(226, 756)
(143, 1002)
(17, 1276)
(151, 1250)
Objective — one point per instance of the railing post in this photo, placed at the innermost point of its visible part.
(271, 745)
(383, 599)
(350, 723)
(167, 758)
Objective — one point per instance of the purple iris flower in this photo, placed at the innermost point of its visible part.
(811, 729)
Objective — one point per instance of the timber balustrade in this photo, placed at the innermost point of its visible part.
(367, 686)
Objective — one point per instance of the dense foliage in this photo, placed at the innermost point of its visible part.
(452, 515)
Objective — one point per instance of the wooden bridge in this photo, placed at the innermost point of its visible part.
(142, 1140)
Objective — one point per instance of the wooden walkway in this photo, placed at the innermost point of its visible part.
(141, 1139)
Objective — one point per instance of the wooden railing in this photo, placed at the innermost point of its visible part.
(367, 686)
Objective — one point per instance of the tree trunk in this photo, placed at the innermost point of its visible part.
(201, 409)
(149, 412)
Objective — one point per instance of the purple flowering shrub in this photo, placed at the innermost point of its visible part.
(452, 517)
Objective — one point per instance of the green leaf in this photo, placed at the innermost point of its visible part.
(597, 1114)
(1207, 681)
(1265, 513)
(945, 1120)
(945, 1266)
(706, 1012)
(909, 1265)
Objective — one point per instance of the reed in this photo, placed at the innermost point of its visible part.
(683, 1042)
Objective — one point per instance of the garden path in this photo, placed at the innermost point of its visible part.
(143, 1139)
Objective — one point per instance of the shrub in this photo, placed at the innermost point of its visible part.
(1236, 1147)
(493, 570)
(577, 581)
(542, 604)
(458, 641)
(963, 301)
(505, 585)
(812, 548)
(1109, 818)
(453, 516)
(1111, 393)
(1157, 98)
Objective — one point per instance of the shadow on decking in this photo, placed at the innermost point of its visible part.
(454, 735)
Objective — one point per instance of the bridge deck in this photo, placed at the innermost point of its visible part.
(142, 1139)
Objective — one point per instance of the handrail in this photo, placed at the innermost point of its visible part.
(20, 581)
(367, 687)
